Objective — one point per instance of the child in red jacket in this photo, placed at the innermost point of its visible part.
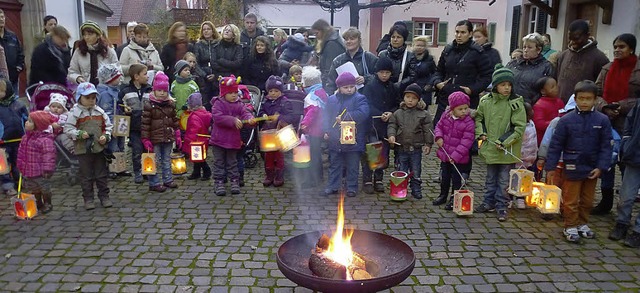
(546, 108)
(199, 122)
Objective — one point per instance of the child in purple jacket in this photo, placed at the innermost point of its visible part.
(454, 135)
(228, 112)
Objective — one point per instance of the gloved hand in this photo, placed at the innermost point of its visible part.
(147, 144)
(178, 139)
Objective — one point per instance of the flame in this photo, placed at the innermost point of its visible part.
(340, 245)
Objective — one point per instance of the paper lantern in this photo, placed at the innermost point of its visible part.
(148, 163)
(121, 125)
(268, 140)
(24, 206)
(287, 138)
(178, 164)
(463, 202)
(532, 199)
(348, 132)
(520, 182)
(5, 168)
(198, 151)
(302, 154)
(398, 185)
(549, 200)
(375, 155)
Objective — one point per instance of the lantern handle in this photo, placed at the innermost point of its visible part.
(507, 152)
(464, 181)
(343, 111)
(10, 140)
(19, 186)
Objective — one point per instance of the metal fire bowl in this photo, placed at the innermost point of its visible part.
(394, 257)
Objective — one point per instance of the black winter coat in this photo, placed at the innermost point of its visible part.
(409, 73)
(526, 73)
(464, 65)
(46, 67)
(382, 97)
(246, 41)
(492, 54)
(227, 58)
(258, 69)
(629, 150)
(168, 58)
(369, 64)
(331, 48)
(13, 53)
(425, 73)
(204, 53)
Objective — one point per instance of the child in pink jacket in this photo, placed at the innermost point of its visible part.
(199, 122)
(454, 135)
(311, 124)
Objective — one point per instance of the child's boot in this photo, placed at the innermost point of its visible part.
(206, 174)
(268, 177)
(88, 203)
(605, 205)
(106, 202)
(235, 186)
(46, 198)
(219, 188)
(241, 180)
(195, 174)
(442, 198)
(449, 205)
(279, 178)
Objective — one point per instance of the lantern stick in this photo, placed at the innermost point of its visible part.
(376, 117)
(464, 182)
(10, 140)
(343, 111)
(19, 186)
(203, 135)
(507, 152)
(395, 142)
(263, 118)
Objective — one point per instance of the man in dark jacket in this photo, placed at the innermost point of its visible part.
(249, 34)
(12, 51)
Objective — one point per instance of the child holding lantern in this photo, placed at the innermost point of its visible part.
(311, 125)
(198, 128)
(345, 149)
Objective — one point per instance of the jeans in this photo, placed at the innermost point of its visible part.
(9, 180)
(136, 153)
(450, 177)
(163, 164)
(411, 162)
(338, 162)
(577, 201)
(496, 184)
(628, 193)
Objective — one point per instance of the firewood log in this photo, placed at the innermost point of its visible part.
(324, 267)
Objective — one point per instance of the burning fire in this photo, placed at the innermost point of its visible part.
(340, 245)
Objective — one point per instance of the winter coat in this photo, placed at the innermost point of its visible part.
(204, 54)
(503, 120)
(331, 48)
(135, 54)
(293, 50)
(12, 119)
(107, 97)
(458, 135)
(81, 64)
(627, 104)
(227, 58)
(357, 109)
(93, 121)
(583, 139)
(408, 71)
(257, 70)
(246, 41)
(224, 133)
(463, 65)
(314, 104)
(577, 65)
(134, 98)
(282, 106)
(425, 74)
(526, 73)
(629, 150)
(181, 92)
(169, 58)
(296, 97)
(199, 122)
(13, 53)
(383, 43)
(382, 97)
(547, 51)
(411, 127)
(529, 151)
(364, 61)
(544, 110)
(159, 121)
(47, 65)
(492, 54)
(36, 154)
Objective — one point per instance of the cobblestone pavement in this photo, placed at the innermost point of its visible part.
(189, 240)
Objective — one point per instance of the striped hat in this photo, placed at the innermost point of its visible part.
(500, 75)
(92, 25)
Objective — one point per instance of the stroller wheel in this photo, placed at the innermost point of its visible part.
(250, 160)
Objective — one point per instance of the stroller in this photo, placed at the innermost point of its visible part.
(66, 160)
(250, 136)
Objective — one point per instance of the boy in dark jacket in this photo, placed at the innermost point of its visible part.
(583, 137)
(382, 96)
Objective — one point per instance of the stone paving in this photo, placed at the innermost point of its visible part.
(189, 240)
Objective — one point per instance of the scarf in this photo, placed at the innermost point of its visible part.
(93, 59)
(396, 53)
(181, 80)
(6, 101)
(181, 49)
(312, 99)
(616, 84)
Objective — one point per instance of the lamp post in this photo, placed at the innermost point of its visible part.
(332, 6)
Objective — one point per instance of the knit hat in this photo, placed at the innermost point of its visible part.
(458, 98)
(274, 82)
(194, 101)
(108, 73)
(41, 120)
(500, 75)
(161, 82)
(415, 89)
(229, 84)
(181, 64)
(92, 25)
(299, 38)
(57, 98)
(311, 76)
(344, 79)
(384, 63)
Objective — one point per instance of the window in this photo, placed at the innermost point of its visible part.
(533, 19)
(425, 27)
(443, 27)
(478, 22)
(492, 32)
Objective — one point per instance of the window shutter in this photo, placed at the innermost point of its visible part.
(541, 20)
(492, 32)
(442, 33)
(515, 28)
(409, 24)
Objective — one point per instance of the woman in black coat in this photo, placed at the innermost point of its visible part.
(209, 37)
(50, 59)
(261, 64)
(227, 54)
(481, 38)
(404, 61)
(328, 46)
(177, 45)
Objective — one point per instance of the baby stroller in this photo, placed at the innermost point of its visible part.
(250, 136)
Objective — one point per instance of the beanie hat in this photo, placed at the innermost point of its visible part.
(500, 75)
(415, 89)
(299, 38)
(181, 64)
(57, 98)
(384, 63)
(345, 78)
(311, 76)
(458, 98)
(92, 25)
(108, 73)
(229, 84)
(161, 82)
(41, 120)
(274, 82)
(194, 101)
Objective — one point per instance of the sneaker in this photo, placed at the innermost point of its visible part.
(484, 208)
(157, 188)
(510, 204)
(235, 187)
(571, 234)
(351, 193)
(106, 203)
(368, 188)
(89, 205)
(11, 192)
(502, 215)
(618, 232)
(633, 240)
(586, 232)
(171, 184)
(378, 186)
(520, 203)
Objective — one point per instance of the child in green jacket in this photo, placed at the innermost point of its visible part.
(183, 85)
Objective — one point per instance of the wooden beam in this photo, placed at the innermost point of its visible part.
(552, 10)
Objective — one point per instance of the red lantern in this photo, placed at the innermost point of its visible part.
(463, 202)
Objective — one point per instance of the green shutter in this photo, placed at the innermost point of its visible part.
(443, 26)
(492, 32)
(409, 24)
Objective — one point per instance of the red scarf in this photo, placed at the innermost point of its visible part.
(616, 84)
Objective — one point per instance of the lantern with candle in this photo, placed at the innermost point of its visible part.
(532, 199)
(148, 163)
(5, 168)
(549, 200)
(178, 164)
(520, 182)
(287, 138)
(268, 140)
(348, 132)
(463, 202)
(24, 204)
(198, 151)
(302, 153)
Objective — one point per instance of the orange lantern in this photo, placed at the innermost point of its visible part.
(178, 164)
(287, 138)
(268, 140)
(463, 202)
(302, 154)
(24, 204)
(348, 132)
(520, 182)
(549, 200)
(198, 151)
(5, 168)
(148, 163)
(534, 196)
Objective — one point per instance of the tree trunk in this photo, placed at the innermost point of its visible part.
(354, 13)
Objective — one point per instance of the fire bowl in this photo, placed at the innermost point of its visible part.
(394, 258)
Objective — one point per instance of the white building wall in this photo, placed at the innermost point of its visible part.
(297, 15)
(66, 13)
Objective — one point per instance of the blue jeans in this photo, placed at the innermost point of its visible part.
(411, 162)
(338, 162)
(628, 193)
(136, 153)
(496, 185)
(163, 164)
